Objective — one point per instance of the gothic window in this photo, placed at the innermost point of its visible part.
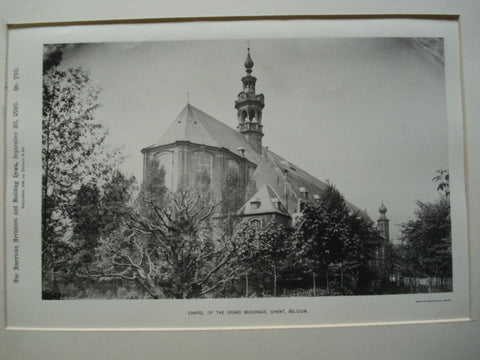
(251, 174)
(244, 115)
(255, 224)
(165, 161)
(202, 162)
(232, 164)
(252, 115)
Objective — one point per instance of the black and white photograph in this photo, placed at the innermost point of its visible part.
(240, 180)
(235, 175)
(245, 168)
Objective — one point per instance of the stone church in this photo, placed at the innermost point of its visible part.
(197, 146)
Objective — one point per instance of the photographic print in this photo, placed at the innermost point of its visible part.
(236, 168)
(175, 176)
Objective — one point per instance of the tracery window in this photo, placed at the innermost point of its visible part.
(232, 164)
(201, 162)
(255, 224)
(165, 161)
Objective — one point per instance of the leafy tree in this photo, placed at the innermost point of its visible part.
(116, 200)
(94, 214)
(233, 197)
(427, 241)
(321, 233)
(443, 182)
(361, 259)
(426, 249)
(331, 240)
(73, 150)
(274, 245)
(153, 189)
(265, 252)
(52, 56)
(86, 214)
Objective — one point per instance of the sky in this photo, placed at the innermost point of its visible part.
(368, 114)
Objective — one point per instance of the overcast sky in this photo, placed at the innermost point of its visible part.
(367, 114)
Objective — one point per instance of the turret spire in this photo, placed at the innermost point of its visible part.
(249, 63)
(249, 107)
(383, 222)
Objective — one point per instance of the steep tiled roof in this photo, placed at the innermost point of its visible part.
(195, 126)
(271, 170)
(198, 127)
(264, 201)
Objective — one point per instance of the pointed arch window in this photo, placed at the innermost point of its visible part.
(165, 161)
(255, 224)
(233, 165)
(202, 162)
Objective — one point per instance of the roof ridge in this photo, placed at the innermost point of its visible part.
(198, 127)
(274, 192)
(208, 128)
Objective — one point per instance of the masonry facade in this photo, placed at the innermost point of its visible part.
(199, 148)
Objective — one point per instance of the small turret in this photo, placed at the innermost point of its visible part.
(383, 222)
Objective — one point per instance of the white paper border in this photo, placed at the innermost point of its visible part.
(25, 311)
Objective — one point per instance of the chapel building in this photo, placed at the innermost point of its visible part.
(199, 148)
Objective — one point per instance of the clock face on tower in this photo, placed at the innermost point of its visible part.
(242, 96)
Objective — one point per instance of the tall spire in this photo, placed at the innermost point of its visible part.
(249, 107)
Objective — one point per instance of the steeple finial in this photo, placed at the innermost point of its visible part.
(248, 62)
(382, 209)
(383, 222)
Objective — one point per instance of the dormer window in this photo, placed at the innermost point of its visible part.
(255, 204)
(277, 203)
(304, 192)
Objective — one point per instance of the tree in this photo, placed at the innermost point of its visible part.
(321, 233)
(427, 241)
(74, 153)
(95, 213)
(52, 56)
(265, 253)
(274, 241)
(443, 182)
(332, 240)
(153, 189)
(361, 260)
(116, 200)
(169, 250)
(233, 197)
(426, 249)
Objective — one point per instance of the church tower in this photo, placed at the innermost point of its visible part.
(382, 222)
(249, 108)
